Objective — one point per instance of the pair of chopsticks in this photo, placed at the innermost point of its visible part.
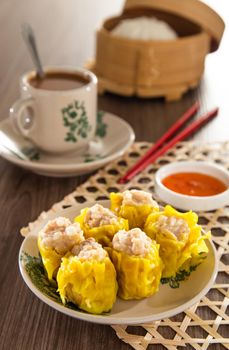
(166, 141)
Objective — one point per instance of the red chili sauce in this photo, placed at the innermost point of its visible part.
(194, 184)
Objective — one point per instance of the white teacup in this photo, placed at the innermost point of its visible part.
(57, 118)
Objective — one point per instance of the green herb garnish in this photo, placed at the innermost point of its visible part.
(182, 275)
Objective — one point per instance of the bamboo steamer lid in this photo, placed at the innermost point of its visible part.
(193, 10)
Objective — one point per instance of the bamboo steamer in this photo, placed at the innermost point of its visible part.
(157, 68)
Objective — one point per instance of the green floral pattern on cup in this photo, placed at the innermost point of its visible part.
(101, 129)
(75, 119)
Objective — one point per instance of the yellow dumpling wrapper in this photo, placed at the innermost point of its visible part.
(102, 234)
(177, 254)
(138, 277)
(135, 214)
(50, 258)
(91, 285)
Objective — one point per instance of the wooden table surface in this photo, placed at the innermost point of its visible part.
(65, 35)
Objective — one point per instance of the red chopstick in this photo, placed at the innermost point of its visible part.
(194, 126)
(172, 130)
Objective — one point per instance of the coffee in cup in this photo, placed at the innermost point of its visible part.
(59, 81)
(57, 113)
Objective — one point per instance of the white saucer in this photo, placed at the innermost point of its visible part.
(166, 303)
(110, 143)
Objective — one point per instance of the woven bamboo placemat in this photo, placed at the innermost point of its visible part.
(205, 324)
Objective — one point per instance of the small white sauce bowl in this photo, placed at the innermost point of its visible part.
(186, 202)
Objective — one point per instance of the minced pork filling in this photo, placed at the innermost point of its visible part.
(136, 197)
(133, 242)
(99, 216)
(89, 250)
(60, 234)
(177, 226)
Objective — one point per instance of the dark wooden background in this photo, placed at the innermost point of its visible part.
(65, 34)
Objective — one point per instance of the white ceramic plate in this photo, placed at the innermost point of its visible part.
(166, 303)
(106, 147)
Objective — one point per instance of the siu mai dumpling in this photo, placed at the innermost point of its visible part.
(137, 263)
(87, 278)
(180, 238)
(55, 240)
(133, 205)
(100, 223)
